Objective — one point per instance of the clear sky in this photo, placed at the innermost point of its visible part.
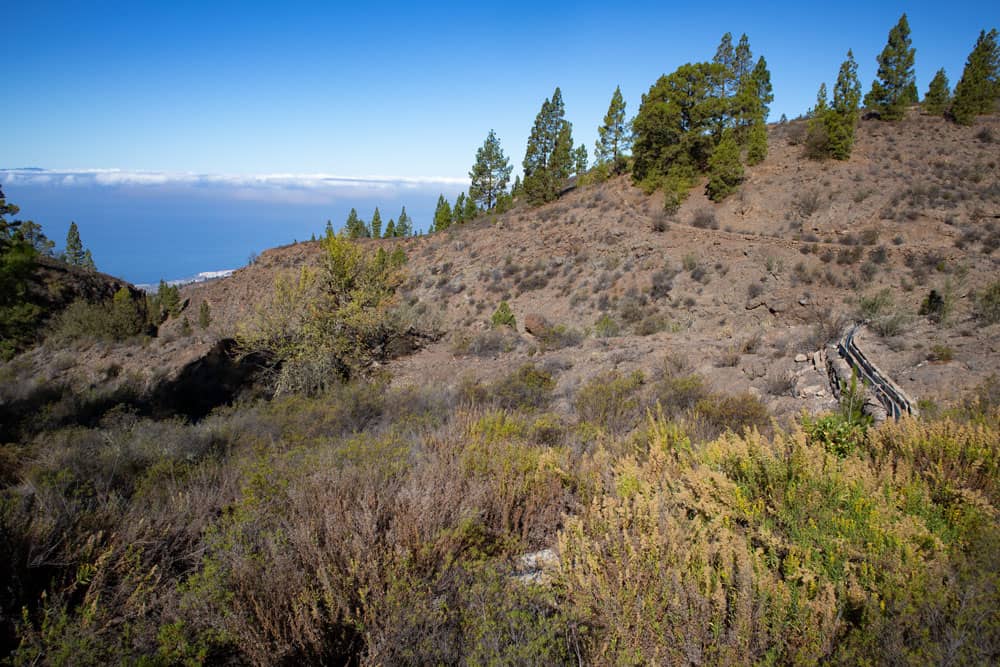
(394, 89)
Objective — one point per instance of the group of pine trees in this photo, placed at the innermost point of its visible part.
(832, 124)
(463, 211)
(706, 117)
(550, 157)
(356, 228)
(21, 241)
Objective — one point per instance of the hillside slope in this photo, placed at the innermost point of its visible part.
(738, 288)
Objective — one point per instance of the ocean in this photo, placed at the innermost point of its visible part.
(150, 227)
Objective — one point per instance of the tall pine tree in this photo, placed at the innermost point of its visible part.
(938, 96)
(376, 226)
(895, 86)
(548, 157)
(355, 227)
(490, 173)
(404, 226)
(725, 172)
(842, 118)
(613, 138)
(580, 160)
(75, 254)
(458, 210)
(442, 215)
(978, 90)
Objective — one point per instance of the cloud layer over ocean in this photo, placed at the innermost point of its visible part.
(298, 188)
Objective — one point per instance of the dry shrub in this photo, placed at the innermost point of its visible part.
(611, 401)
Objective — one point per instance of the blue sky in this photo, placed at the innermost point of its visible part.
(387, 89)
(135, 105)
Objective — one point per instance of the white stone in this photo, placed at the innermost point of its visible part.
(801, 358)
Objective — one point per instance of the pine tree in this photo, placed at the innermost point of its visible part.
(548, 155)
(88, 261)
(613, 136)
(725, 55)
(938, 96)
(32, 233)
(204, 315)
(390, 229)
(442, 215)
(562, 156)
(755, 97)
(74, 246)
(458, 211)
(471, 210)
(18, 316)
(895, 86)
(842, 118)
(328, 232)
(742, 63)
(725, 172)
(404, 226)
(757, 144)
(517, 190)
(678, 125)
(580, 160)
(817, 142)
(490, 173)
(376, 226)
(355, 227)
(978, 90)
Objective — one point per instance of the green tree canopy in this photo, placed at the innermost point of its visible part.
(580, 160)
(458, 210)
(404, 225)
(442, 215)
(376, 225)
(938, 95)
(490, 174)
(677, 119)
(613, 137)
(32, 233)
(725, 171)
(895, 86)
(18, 317)
(831, 127)
(548, 158)
(74, 246)
(978, 90)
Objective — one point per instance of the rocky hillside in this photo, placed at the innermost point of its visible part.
(605, 279)
(739, 288)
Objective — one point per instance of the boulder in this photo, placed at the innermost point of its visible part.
(537, 325)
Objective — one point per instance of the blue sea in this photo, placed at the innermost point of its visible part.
(144, 226)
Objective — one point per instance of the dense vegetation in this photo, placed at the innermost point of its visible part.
(388, 527)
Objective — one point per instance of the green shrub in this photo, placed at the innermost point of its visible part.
(527, 387)
(606, 327)
(988, 303)
(503, 317)
(720, 413)
(122, 318)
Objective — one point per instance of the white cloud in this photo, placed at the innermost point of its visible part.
(321, 182)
